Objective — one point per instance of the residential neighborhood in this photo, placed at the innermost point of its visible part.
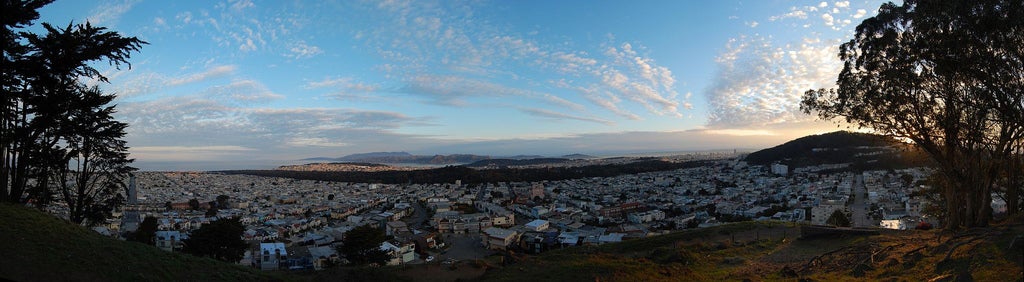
(295, 224)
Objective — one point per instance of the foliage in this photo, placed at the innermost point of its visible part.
(838, 218)
(60, 139)
(947, 75)
(146, 232)
(220, 239)
(361, 246)
(223, 202)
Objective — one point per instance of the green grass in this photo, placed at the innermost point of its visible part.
(35, 246)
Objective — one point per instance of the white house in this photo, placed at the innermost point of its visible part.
(400, 253)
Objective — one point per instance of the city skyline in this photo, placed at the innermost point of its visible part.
(242, 81)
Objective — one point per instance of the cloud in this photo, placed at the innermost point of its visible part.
(440, 50)
(829, 21)
(346, 85)
(860, 13)
(239, 5)
(842, 4)
(110, 12)
(793, 13)
(453, 90)
(301, 50)
(561, 116)
(141, 84)
(214, 72)
(758, 83)
(189, 125)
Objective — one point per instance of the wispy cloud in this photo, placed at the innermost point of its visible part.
(442, 52)
(563, 116)
(110, 12)
(218, 71)
(142, 83)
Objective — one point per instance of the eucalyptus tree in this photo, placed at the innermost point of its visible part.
(946, 75)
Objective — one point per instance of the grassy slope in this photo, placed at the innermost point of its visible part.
(761, 252)
(38, 247)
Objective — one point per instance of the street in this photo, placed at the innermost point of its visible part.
(859, 209)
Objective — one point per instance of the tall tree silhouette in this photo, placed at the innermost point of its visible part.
(59, 135)
(948, 75)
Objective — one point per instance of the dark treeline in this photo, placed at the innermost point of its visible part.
(512, 162)
(450, 174)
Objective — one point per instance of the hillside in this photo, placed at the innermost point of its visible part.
(860, 150)
(773, 252)
(39, 247)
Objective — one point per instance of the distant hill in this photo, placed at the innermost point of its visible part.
(39, 247)
(578, 157)
(861, 150)
(363, 156)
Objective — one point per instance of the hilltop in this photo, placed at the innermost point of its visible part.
(860, 151)
(39, 247)
(766, 251)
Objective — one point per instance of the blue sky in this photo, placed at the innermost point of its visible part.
(228, 83)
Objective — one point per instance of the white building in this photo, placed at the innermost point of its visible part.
(780, 169)
(272, 255)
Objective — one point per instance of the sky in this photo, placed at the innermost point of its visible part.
(254, 84)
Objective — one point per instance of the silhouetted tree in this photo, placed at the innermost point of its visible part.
(361, 246)
(838, 218)
(212, 211)
(57, 133)
(146, 232)
(220, 239)
(947, 75)
(223, 201)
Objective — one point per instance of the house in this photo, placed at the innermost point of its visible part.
(610, 238)
(568, 238)
(393, 228)
(272, 256)
(400, 253)
(538, 225)
(323, 256)
(169, 240)
(498, 238)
